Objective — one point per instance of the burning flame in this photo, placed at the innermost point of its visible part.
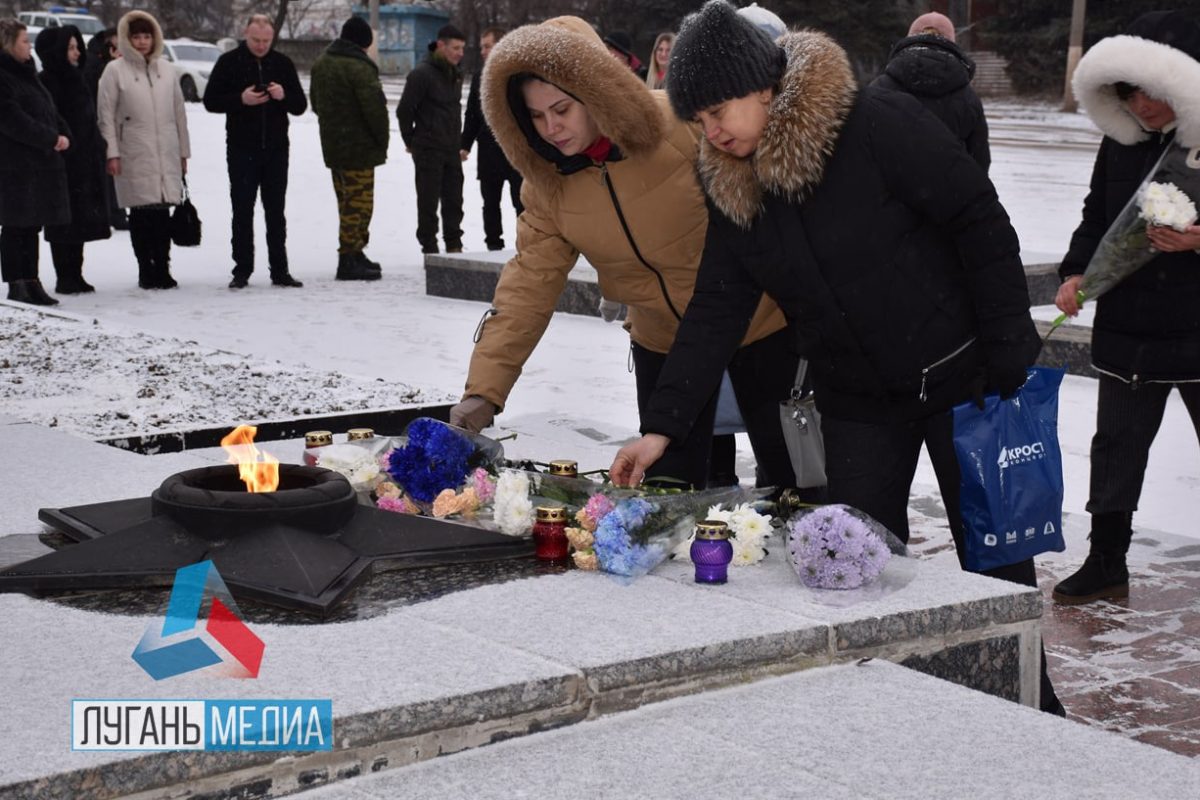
(259, 470)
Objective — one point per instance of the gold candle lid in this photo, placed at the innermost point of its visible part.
(712, 529)
(565, 467)
(318, 438)
(356, 434)
(551, 514)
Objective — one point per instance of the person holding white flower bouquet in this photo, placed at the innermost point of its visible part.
(1135, 253)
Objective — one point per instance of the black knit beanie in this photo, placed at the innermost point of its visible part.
(717, 56)
(357, 30)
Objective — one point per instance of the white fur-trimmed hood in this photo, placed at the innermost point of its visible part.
(1162, 71)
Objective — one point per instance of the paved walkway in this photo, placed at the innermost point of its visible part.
(1133, 666)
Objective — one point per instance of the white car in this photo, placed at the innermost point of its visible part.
(194, 62)
(35, 21)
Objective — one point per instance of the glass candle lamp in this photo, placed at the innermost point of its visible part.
(550, 533)
(711, 552)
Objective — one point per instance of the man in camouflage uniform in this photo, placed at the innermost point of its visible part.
(352, 116)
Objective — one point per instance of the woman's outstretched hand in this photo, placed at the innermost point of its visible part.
(632, 461)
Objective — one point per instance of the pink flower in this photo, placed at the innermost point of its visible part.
(590, 515)
(484, 486)
(401, 505)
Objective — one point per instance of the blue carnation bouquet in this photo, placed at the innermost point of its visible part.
(436, 456)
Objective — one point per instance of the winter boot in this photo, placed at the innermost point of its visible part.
(351, 269)
(29, 290)
(1104, 574)
(369, 263)
(162, 261)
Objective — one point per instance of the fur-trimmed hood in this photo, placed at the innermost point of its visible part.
(1158, 54)
(566, 52)
(51, 47)
(126, 47)
(806, 115)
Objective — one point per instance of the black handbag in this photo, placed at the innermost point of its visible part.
(185, 222)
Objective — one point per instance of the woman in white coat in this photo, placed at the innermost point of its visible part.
(142, 118)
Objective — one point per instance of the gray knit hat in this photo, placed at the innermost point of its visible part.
(718, 56)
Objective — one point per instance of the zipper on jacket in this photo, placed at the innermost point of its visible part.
(491, 312)
(262, 117)
(662, 284)
(925, 372)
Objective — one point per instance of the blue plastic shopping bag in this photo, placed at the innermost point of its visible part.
(1012, 481)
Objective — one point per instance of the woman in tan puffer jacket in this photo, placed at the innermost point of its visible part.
(141, 114)
(610, 173)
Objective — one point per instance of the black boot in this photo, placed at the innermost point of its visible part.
(362, 259)
(1104, 574)
(29, 290)
(351, 269)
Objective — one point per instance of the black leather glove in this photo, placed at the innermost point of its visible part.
(1005, 381)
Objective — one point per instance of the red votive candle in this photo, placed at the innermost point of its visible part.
(550, 533)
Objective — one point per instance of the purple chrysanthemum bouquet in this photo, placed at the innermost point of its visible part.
(839, 547)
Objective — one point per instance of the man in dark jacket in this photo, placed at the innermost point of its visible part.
(352, 115)
(929, 65)
(493, 168)
(1142, 90)
(430, 115)
(256, 87)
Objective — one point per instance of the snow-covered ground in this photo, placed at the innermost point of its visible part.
(387, 339)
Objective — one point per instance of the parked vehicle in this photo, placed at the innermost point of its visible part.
(194, 62)
(58, 16)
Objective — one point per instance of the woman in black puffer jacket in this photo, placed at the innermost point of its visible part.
(880, 238)
(33, 178)
(63, 58)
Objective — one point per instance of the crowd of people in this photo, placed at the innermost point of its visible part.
(762, 209)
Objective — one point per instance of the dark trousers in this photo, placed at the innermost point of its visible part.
(68, 260)
(762, 375)
(150, 235)
(492, 189)
(18, 253)
(439, 179)
(1127, 420)
(252, 172)
(870, 466)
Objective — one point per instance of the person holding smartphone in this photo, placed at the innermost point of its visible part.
(256, 88)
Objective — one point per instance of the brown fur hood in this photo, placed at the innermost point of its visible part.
(126, 47)
(803, 123)
(566, 51)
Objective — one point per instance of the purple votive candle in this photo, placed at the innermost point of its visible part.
(711, 552)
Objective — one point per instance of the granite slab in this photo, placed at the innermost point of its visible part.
(388, 677)
(64, 469)
(875, 730)
(620, 635)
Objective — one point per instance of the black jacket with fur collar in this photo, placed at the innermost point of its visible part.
(877, 234)
(1147, 328)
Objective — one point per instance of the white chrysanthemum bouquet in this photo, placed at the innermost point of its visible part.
(750, 530)
(1166, 198)
(1166, 205)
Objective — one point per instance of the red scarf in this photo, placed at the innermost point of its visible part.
(598, 150)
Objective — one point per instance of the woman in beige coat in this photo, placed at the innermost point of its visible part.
(610, 173)
(142, 118)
